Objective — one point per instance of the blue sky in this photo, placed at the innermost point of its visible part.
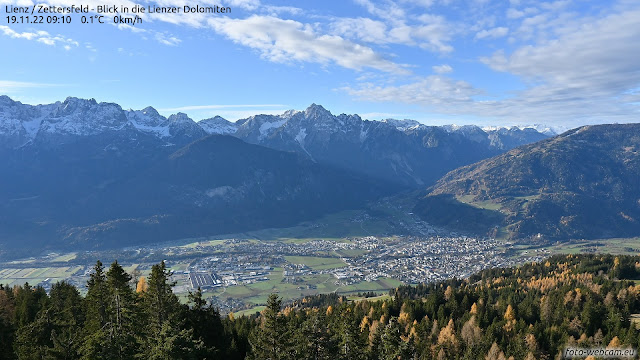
(563, 63)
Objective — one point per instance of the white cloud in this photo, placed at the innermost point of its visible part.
(389, 10)
(587, 73)
(244, 4)
(494, 33)
(554, 5)
(39, 36)
(219, 106)
(430, 90)
(514, 13)
(594, 57)
(8, 86)
(167, 39)
(442, 69)
(287, 41)
(432, 32)
(277, 10)
(364, 29)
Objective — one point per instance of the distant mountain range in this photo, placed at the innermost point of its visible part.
(89, 174)
(400, 151)
(584, 183)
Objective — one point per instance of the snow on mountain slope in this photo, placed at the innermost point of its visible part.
(218, 125)
(541, 128)
(20, 123)
(343, 140)
(402, 125)
(53, 123)
(150, 121)
(84, 117)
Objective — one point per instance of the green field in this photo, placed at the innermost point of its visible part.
(64, 257)
(486, 204)
(13, 276)
(316, 263)
(618, 246)
(249, 312)
(255, 294)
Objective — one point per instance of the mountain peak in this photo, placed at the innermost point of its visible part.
(179, 117)
(218, 125)
(402, 125)
(75, 101)
(316, 111)
(149, 110)
(5, 100)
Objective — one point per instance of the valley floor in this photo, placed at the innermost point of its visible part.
(348, 253)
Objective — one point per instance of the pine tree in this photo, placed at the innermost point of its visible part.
(28, 302)
(65, 307)
(164, 336)
(313, 341)
(7, 328)
(392, 347)
(56, 333)
(271, 340)
(207, 326)
(351, 344)
(122, 313)
(96, 340)
(96, 299)
(33, 335)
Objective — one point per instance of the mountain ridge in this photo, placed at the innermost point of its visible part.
(580, 184)
(401, 151)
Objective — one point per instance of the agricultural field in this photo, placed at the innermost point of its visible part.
(32, 275)
(316, 263)
(616, 246)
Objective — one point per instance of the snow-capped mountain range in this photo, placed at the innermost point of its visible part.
(79, 171)
(79, 117)
(401, 151)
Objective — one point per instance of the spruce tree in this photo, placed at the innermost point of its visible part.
(122, 313)
(96, 338)
(56, 332)
(351, 342)
(207, 326)
(271, 340)
(164, 336)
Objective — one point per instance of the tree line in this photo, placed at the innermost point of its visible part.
(529, 312)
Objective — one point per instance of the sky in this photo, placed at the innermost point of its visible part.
(487, 62)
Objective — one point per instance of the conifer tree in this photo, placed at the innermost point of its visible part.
(7, 328)
(96, 340)
(207, 326)
(56, 333)
(122, 313)
(313, 340)
(164, 336)
(351, 344)
(271, 340)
